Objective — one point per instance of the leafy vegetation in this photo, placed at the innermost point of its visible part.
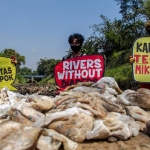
(25, 71)
(11, 52)
(119, 68)
(20, 79)
(46, 66)
(45, 80)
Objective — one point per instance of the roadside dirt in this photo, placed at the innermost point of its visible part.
(140, 142)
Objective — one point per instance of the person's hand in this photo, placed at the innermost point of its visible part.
(132, 60)
(57, 87)
(13, 59)
(57, 92)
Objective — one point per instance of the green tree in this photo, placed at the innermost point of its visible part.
(132, 16)
(11, 52)
(146, 10)
(46, 66)
(107, 36)
(34, 72)
(119, 34)
(25, 71)
(89, 47)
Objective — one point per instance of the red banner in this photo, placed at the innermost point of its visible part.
(79, 69)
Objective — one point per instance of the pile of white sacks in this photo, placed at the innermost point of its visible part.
(82, 112)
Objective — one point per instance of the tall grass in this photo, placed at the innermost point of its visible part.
(19, 79)
(122, 74)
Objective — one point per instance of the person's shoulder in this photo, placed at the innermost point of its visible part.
(66, 57)
(82, 54)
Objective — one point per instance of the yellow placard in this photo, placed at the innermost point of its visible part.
(7, 73)
(141, 53)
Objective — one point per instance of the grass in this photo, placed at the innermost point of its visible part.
(118, 67)
(19, 79)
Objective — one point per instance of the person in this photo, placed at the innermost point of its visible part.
(75, 40)
(132, 60)
(144, 85)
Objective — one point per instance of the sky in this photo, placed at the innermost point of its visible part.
(39, 29)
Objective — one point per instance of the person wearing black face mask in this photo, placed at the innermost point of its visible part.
(75, 40)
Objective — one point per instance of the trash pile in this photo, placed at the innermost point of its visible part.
(31, 88)
(84, 111)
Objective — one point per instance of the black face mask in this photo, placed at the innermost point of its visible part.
(75, 48)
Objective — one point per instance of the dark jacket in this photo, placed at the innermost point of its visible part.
(71, 56)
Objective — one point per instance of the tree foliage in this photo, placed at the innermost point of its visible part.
(25, 71)
(46, 66)
(132, 15)
(131, 10)
(107, 36)
(11, 52)
(119, 34)
(89, 47)
(146, 10)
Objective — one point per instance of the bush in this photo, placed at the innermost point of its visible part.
(119, 68)
(20, 79)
